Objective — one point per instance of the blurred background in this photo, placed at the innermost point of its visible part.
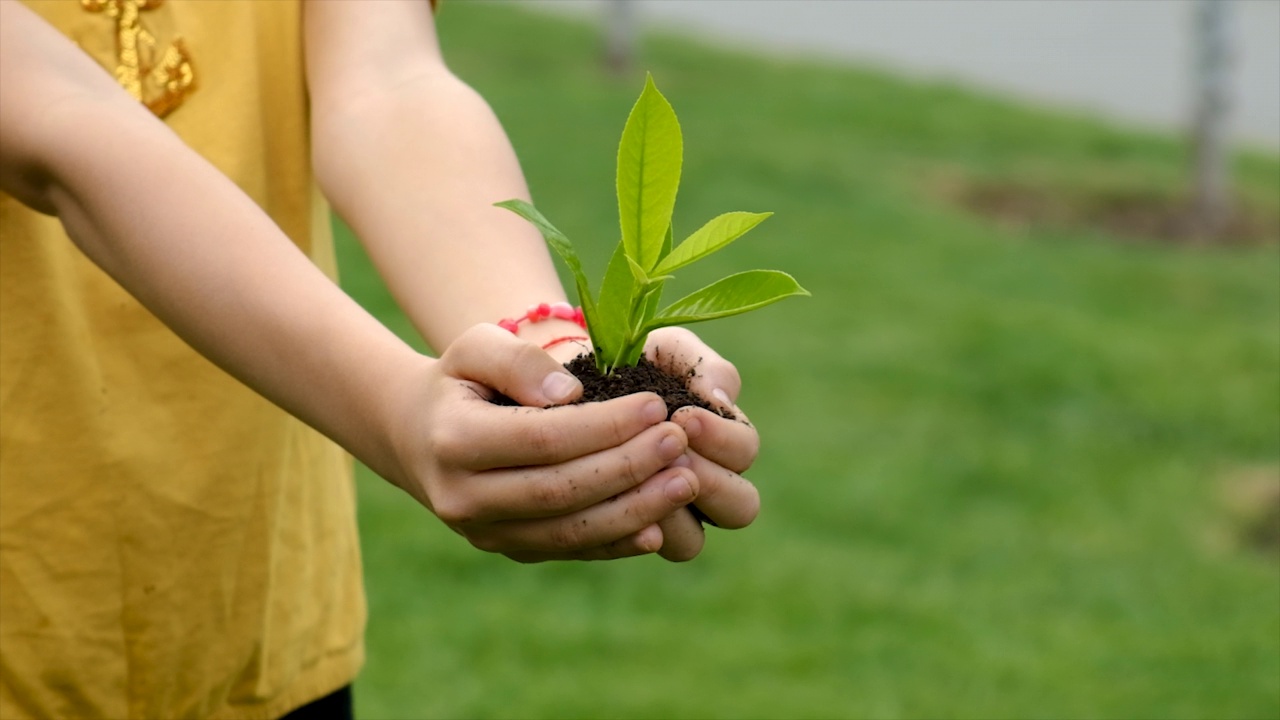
(1021, 449)
(1122, 58)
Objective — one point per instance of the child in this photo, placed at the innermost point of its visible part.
(177, 543)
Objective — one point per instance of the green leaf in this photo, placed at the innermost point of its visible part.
(716, 234)
(642, 278)
(652, 294)
(644, 308)
(554, 237)
(621, 317)
(649, 159)
(633, 353)
(637, 273)
(733, 295)
(616, 293)
(649, 303)
(648, 308)
(564, 249)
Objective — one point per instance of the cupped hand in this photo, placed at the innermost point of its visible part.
(534, 483)
(720, 449)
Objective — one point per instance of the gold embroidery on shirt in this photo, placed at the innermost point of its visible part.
(160, 80)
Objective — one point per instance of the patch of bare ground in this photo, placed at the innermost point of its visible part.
(1250, 499)
(1132, 216)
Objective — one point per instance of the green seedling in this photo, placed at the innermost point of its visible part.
(626, 311)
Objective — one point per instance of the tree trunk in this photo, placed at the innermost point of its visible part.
(620, 36)
(1211, 203)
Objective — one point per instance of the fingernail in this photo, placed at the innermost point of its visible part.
(655, 411)
(683, 461)
(678, 490)
(558, 386)
(692, 428)
(669, 447)
(722, 396)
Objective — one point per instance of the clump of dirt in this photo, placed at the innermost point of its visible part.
(644, 377)
(1132, 216)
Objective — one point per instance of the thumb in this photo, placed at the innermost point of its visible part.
(524, 372)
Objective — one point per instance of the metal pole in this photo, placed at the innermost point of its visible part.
(620, 35)
(1212, 202)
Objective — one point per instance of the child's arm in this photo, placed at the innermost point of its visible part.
(414, 159)
(209, 263)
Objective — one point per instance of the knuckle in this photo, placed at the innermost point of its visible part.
(626, 547)
(453, 510)
(551, 496)
(644, 508)
(566, 536)
(623, 417)
(486, 542)
(540, 439)
(448, 442)
(519, 358)
(621, 426)
(462, 346)
(630, 468)
(526, 354)
(476, 335)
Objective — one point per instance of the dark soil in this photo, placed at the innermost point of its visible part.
(1264, 534)
(644, 377)
(1251, 499)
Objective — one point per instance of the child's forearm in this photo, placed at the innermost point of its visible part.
(414, 162)
(210, 264)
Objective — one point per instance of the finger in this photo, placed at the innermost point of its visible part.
(730, 443)
(678, 351)
(644, 542)
(526, 493)
(599, 524)
(482, 436)
(524, 372)
(682, 536)
(724, 496)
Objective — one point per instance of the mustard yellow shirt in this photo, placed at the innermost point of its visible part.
(171, 544)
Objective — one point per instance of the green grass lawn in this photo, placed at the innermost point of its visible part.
(994, 456)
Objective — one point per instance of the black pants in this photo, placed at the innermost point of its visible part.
(336, 706)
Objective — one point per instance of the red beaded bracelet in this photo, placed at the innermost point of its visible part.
(542, 311)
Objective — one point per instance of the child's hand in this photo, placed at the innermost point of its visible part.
(584, 482)
(719, 449)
